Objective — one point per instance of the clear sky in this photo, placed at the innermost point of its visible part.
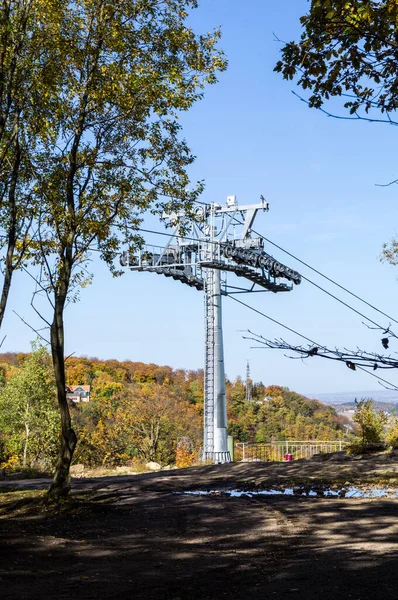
(251, 136)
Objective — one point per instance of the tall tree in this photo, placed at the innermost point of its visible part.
(158, 417)
(371, 424)
(29, 75)
(349, 49)
(29, 419)
(115, 148)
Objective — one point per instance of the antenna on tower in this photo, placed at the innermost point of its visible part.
(248, 383)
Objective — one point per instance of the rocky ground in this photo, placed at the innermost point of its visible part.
(134, 537)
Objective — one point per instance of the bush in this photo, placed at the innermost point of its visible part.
(357, 447)
(371, 424)
(392, 433)
(185, 454)
(11, 464)
(185, 458)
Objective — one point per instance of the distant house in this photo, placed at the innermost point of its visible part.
(78, 393)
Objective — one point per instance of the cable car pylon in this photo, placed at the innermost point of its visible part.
(200, 253)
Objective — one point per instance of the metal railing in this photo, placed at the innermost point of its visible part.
(276, 451)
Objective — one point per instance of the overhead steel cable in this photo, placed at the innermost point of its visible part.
(326, 277)
(380, 379)
(377, 325)
(304, 337)
(313, 283)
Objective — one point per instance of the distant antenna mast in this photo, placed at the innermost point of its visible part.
(219, 242)
(248, 383)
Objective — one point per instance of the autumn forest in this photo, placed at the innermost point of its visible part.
(138, 413)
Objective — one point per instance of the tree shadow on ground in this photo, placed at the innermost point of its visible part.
(158, 545)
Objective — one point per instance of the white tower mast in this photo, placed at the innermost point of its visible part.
(220, 241)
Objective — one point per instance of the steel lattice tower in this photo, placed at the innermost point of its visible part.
(219, 242)
(248, 383)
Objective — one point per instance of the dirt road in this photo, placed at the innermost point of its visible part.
(132, 537)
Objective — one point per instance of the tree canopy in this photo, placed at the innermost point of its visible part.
(139, 412)
(29, 78)
(29, 418)
(349, 49)
(110, 147)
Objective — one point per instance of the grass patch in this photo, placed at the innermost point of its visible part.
(36, 504)
(19, 503)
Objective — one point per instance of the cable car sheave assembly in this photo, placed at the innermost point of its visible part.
(219, 242)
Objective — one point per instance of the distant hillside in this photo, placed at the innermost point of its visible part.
(388, 407)
(335, 398)
(279, 413)
(275, 412)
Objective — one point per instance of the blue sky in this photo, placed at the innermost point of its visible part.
(252, 136)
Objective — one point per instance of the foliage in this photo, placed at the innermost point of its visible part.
(349, 49)
(29, 418)
(392, 433)
(132, 417)
(185, 455)
(371, 423)
(112, 148)
(11, 464)
(145, 421)
(276, 413)
(29, 78)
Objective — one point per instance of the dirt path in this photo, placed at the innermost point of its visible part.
(132, 537)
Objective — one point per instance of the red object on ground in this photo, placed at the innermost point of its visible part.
(289, 457)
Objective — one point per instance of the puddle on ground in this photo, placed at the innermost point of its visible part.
(343, 492)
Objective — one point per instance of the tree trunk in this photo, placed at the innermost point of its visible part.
(61, 482)
(25, 449)
(12, 233)
(8, 272)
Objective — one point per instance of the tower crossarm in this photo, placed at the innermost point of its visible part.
(243, 253)
(263, 280)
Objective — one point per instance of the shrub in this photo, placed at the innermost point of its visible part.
(371, 424)
(11, 464)
(392, 433)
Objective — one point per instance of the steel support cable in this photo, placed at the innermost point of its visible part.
(306, 278)
(377, 325)
(349, 306)
(325, 277)
(304, 337)
(277, 322)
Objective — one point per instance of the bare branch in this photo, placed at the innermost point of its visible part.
(356, 116)
(36, 331)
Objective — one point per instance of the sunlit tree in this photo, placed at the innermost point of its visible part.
(115, 148)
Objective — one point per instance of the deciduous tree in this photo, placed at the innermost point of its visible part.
(371, 423)
(29, 418)
(159, 419)
(349, 50)
(29, 75)
(115, 148)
